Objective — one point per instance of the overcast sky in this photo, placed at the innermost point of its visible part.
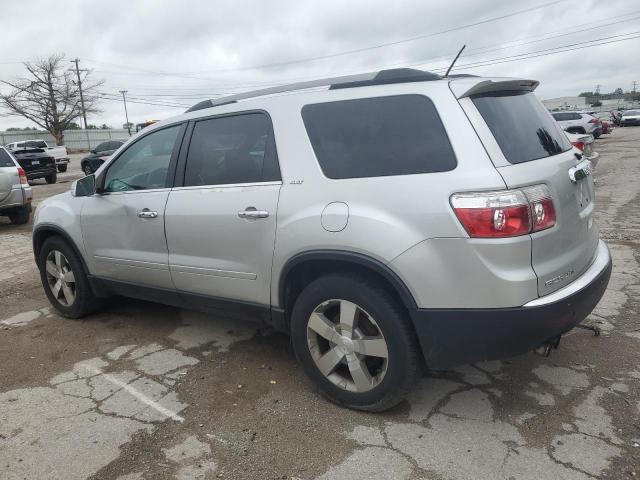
(180, 52)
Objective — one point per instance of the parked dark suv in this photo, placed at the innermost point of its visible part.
(98, 155)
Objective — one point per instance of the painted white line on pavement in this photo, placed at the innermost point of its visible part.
(140, 396)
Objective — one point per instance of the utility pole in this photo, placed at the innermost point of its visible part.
(633, 97)
(124, 99)
(78, 70)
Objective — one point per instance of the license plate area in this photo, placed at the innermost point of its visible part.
(35, 162)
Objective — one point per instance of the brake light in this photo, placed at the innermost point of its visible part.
(594, 120)
(23, 176)
(578, 144)
(542, 210)
(507, 213)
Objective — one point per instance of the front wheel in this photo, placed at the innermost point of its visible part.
(355, 342)
(53, 178)
(87, 169)
(64, 279)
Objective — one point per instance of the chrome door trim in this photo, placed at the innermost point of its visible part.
(228, 185)
(213, 272)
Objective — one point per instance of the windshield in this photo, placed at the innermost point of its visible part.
(631, 112)
(521, 125)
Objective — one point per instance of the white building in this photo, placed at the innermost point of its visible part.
(565, 103)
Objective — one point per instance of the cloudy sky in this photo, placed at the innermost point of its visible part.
(170, 54)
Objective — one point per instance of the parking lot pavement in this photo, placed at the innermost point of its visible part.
(140, 391)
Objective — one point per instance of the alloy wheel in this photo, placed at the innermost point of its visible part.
(60, 278)
(347, 345)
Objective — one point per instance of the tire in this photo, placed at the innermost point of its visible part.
(86, 168)
(84, 301)
(391, 378)
(53, 178)
(62, 168)
(21, 215)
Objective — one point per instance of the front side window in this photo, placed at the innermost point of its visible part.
(378, 137)
(145, 164)
(521, 125)
(233, 149)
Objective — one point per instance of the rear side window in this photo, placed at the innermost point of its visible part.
(521, 125)
(378, 137)
(233, 149)
(5, 159)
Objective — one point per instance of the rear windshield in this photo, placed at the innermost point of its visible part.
(521, 125)
(5, 159)
(378, 137)
(632, 112)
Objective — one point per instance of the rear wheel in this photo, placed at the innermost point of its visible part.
(62, 168)
(21, 215)
(355, 342)
(53, 178)
(64, 279)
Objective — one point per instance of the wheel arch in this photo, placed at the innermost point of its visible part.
(44, 231)
(304, 267)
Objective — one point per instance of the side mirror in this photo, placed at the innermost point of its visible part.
(85, 187)
(93, 151)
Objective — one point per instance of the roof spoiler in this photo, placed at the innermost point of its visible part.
(466, 88)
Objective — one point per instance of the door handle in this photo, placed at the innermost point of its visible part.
(146, 213)
(252, 212)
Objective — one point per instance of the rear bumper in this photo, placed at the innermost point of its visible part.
(451, 337)
(41, 172)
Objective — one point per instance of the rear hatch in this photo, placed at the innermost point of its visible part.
(528, 147)
(34, 159)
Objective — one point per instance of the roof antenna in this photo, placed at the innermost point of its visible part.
(454, 61)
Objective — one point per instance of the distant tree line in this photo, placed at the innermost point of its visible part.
(617, 94)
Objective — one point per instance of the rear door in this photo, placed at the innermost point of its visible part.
(528, 148)
(221, 223)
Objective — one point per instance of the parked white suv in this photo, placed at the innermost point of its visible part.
(387, 221)
(579, 122)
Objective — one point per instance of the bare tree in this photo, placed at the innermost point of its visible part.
(49, 95)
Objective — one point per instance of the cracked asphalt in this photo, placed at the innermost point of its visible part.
(144, 391)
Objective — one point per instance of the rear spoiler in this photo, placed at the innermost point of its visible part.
(468, 86)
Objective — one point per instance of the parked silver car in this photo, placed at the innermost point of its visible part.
(387, 221)
(579, 122)
(15, 192)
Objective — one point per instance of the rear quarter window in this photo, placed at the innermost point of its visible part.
(5, 159)
(377, 137)
(521, 125)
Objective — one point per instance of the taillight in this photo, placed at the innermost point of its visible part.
(543, 213)
(594, 120)
(23, 176)
(507, 213)
(578, 144)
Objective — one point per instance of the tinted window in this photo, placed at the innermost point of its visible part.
(102, 147)
(235, 149)
(378, 137)
(5, 159)
(521, 125)
(145, 164)
(632, 112)
(560, 117)
(36, 144)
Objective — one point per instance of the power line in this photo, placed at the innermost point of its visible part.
(546, 52)
(345, 52)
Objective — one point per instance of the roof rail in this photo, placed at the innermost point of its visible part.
(383, 77)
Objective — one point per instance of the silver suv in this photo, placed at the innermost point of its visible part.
(389, 222)
(15, 192)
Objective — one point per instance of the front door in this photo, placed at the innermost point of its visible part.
(221, 222)
(123, 224)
